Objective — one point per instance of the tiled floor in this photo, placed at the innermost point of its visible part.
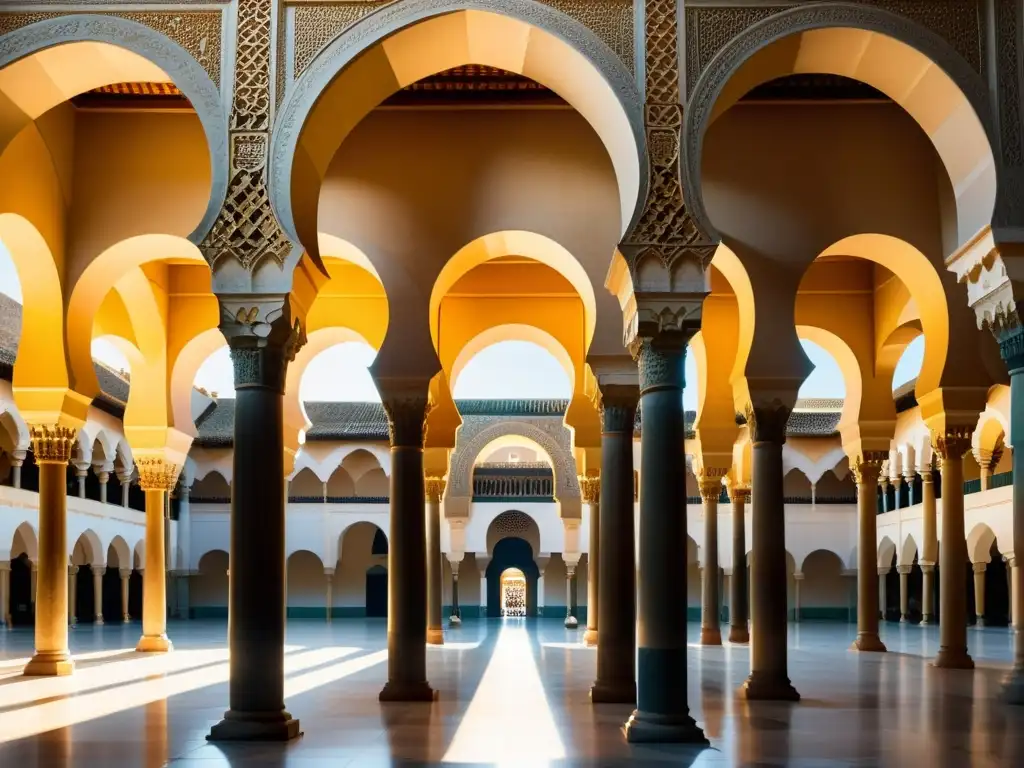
(514, 694)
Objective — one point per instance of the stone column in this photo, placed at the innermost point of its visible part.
(979, 593)
(769, 666)
(616, 640)
(739, 631)
(453, 562)
(329, 597)
(97, 593)
(1015, 594)
(72, 595)
(883, 596)
(406, 405)
(570, 602)
(156, 477)
(52, 446)
(17, 460)
(710, 482)
(590, 490)
(814, 495)
(662, 713)
(904, 572)
(256, 581)
(542, 564)
(184, 566)
(126, 483)
(435, 628)
(33, 583)
(125, 575)
(951, 446)
(482, 561)
(865, 472)
(5, 593)
(104, 478)
(798, 576)
(81, 473)
(884, 483)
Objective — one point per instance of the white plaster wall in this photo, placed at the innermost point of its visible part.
(552, 531)
(208, 588)
(307, 585)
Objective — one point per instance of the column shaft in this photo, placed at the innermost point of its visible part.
(125, 575)
(52, 448)
(904, 571)
(662, 713)
(1011, 347)
(865, 472)
(329, 598)
(710, 603)
(5, 593)
(72, 595)
(930, 546)
(156, 477)
(979, 593)
(456, 618)
(616, 633)
(953, 557)
(591, 491)
(738, 629)
(435, 628)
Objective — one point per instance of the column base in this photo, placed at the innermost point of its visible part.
(590, 637)
(50, 664)
(154, 644)
(953, 658)
(73, 622)
(435, 636)
(1013, 687)
(613, 693)
(980, 623)
(868, 642)
(571, 623)
(710, 636)
(927, 620)
(648, 728)
(454, 621)
(904, 620)
(127, 619)
(98, 621)
(255, 726)
(395, 691)
(739, 635)
(761, 688)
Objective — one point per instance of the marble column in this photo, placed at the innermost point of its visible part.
(104, 478)
(896, 481)
(125, 575)
(904, 572)
(979, 592)
(482, 561)
(883, 596)
(72, 595)
(590, 490)
(256, 581)
(156, 478)
(52, 447)
(5, 593)
(615, 681)
(884, 482)
(930, 544)
(434, 487)
(570, 601)
(97, 593)
(798, 577)
(865, 472)
(951, 446)
(329, 596)
(769, 664)
(662, 713)
(126, 483)
(739, 631)
(81, 473)
(542, 564)
(453, 562)
(17, 460)
(710, 483)
(406, 404)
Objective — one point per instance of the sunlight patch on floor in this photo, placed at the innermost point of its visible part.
(508, 722)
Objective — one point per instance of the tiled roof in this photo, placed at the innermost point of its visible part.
(522, 407)
(347, 421)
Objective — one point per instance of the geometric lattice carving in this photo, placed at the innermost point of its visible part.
(610, 20)
(317, 25)
(512, 523)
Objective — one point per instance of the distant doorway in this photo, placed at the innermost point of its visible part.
(513, 592)
(377, 592)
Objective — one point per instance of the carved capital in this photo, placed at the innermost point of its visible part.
(617, 405)
(739, 494)
(264, 335)
(156, 474)
(953, 443)
(434, 487)
(709, 481)
(867, 467)
(407, 410)
(904, 570)
(52, 443)
(767, 421)
(660, 361)
(1009, 333)
(590, 489)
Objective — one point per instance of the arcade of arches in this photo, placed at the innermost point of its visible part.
(432, 179)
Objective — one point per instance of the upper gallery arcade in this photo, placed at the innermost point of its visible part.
(615, 181)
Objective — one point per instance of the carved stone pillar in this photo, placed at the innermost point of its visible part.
(263, 340)
(156, 478)
(865, 472)
(739, 631)
(125, 575)
(710, 481)
(52, 446)
(951, 446)
(930, 545)
(616, 639)
(904, 572)
(406, 405)
(979, 592)
(434, 491)
(81, 473)
(769, 666)
(590, 490)
(97, 593)
(72, 595)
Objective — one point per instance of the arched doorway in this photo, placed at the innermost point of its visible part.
(513, 592)
(512, 554)
(377, 592)
(22, 609)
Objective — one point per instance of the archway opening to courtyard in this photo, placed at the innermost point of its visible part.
(513, 593)
(512, 554)
(360, 582)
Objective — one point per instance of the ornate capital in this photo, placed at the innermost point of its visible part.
(52, 443)
(156, 474)
(617, 405)
(709, 480)
(767, 421)
(867, 467)
(407, 418)
(660, 361)
(264, 335)
(434, 487)
(953, 443)
(590, 489)
(739, 494)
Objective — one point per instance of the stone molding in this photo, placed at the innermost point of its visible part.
(389, 19)
(761, 34)
(186, 72)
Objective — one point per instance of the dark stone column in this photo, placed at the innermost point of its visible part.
(769, 673)
(662, 713)
(406, 407)
(951, 445)
(434, 491)
(738, 609)
(710, 600)
(256, 586)
(865, 471)
(616, 634)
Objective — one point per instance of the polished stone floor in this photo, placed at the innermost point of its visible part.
(514, 694)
